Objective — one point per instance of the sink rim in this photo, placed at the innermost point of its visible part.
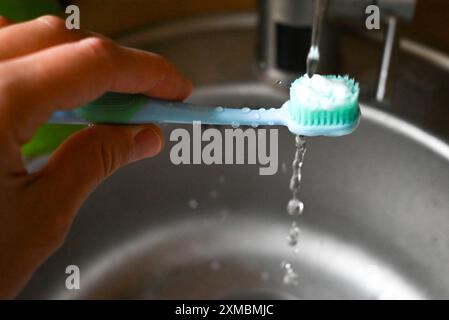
(226, 21)
(407, 129)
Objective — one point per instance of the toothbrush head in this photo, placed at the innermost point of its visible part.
(323, 106)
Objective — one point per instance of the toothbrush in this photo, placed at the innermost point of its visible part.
(338, 119)
(321, 105)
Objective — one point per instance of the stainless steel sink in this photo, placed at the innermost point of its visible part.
(376, 220)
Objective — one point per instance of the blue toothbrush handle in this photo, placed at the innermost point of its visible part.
(114, 108)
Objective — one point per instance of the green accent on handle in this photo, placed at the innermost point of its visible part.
(112, 108)
(20, 10)
(47, 138)
(109, 108)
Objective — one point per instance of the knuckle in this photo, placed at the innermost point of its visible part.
(112, 155)
(164, 67)
(98, 47)
(108, 159)
(161, 59)
(52, 21)
(160, 62)
(164, 62)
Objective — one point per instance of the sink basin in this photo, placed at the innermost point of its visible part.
(375, 224)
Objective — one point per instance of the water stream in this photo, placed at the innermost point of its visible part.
(295, 208)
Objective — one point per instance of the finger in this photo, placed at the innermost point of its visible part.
(87, 158)
(4, 22)
(73, 74)
(31, 36)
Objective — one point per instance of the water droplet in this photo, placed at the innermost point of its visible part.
(300, 141)
(264, 276)
(219, 109)
(224, 215)
(193, 204)
(293, 235)
(215, 265)
(257, 116)
(290, 276)
(235, 124)
(297, 163)
(295, 182)
(279, 82)
(295, 207)
(246, 110)
(213, 194)
(284, 167)
(254, 125)
(262, 110)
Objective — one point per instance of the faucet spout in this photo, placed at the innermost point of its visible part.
(313, 57)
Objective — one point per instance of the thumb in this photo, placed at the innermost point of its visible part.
(91, 155)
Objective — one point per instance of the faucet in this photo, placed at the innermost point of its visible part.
(285, 35)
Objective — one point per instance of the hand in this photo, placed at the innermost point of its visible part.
(45, 67)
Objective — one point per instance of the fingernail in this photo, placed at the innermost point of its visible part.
(147, 143)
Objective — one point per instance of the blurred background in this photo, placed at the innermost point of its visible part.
(428, 25)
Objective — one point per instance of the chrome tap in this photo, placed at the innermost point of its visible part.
(284, 37)
(287, 37)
